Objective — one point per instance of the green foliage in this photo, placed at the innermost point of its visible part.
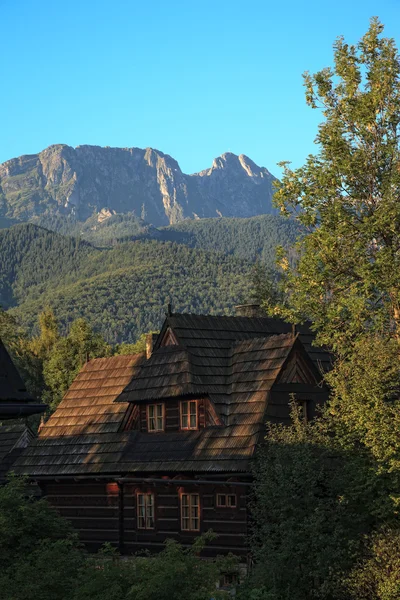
(377, 575)
(103, 233)
(49, 362)
(173, 574)
(67, 357)
(115, 228)
(32, 257)
(265, 287)
(347, 277)
(18, 345)
(365, 401)
(41, 558)
(328, 495)
(137, 347)
(314, 501)
(122, 291)
(39, 554)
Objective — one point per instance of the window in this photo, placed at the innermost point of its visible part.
(229, 580)
(155, 417)
(226, 500)
(145, 511)
(189, 415)
(190, 512)
(303, 410)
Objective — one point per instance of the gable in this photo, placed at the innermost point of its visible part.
(297, 369)
(169, 338)
(13, 439)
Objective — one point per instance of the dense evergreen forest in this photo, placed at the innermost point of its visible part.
(252, 238)
(122, 290)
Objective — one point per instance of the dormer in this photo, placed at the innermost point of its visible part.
(170, 415)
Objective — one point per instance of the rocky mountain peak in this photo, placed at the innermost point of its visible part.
(83, 181)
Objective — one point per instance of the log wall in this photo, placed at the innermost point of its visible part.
(105, 512)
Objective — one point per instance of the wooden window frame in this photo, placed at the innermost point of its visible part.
(153, 505)
(188, 428)
(303, 404)
(218, 502)
(148, 417)
(230, 580)
(190, 518)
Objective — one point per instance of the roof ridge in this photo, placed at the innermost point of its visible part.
(266, 339)
(218, 316)
(114, 357)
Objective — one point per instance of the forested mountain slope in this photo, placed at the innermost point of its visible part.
(122, 291)
(32, 258)
(251, 239)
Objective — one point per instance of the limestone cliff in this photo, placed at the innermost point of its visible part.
(85, 180)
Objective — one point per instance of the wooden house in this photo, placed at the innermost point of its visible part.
(160, 445)
(13, 440)
(15, 403)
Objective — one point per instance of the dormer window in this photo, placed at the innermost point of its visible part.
(189, 414)
(155, 417)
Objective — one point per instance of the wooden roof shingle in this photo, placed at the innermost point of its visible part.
(15, 401)
(13, 439)
(234, 361)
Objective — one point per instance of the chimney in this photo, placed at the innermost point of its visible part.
(249, 310)
(150, 341)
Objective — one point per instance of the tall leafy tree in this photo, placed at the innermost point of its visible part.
(347, 195)
(49, 335)
(68, 356)
(346, 279)
(347, 276)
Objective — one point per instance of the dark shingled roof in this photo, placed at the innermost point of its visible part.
(15, 401)
(12, 388)
(85, 435)
(207, 332)
(82, 435)
(13, 439)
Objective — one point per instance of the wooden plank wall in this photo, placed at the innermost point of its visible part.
(93, 509)
(229, 523)
(278, 407)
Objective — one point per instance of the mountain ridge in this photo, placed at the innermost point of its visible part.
(86, 180)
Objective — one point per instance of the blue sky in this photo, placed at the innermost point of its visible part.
(192, 78)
